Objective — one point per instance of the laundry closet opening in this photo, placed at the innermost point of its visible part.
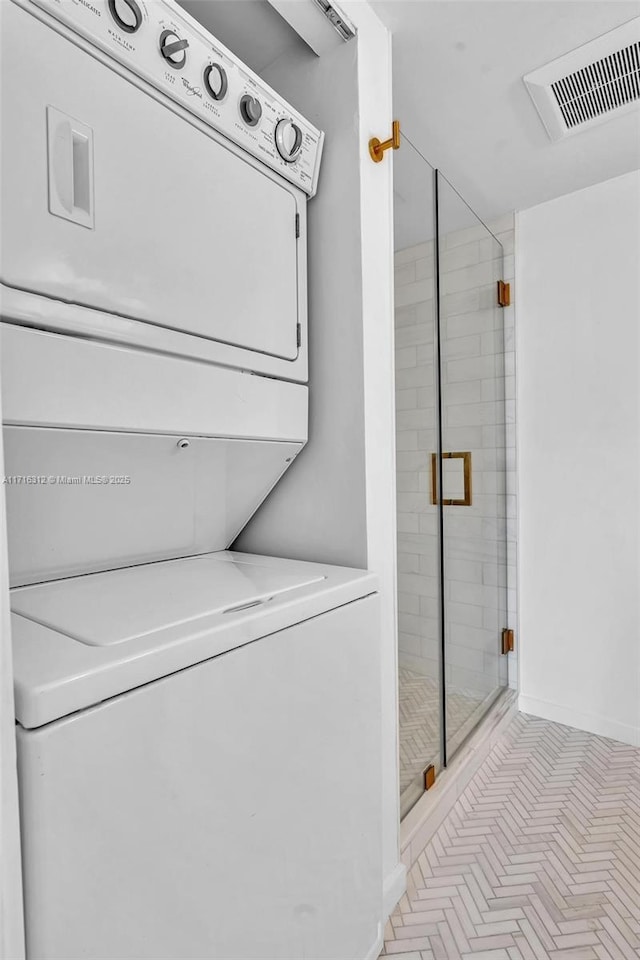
(183, 376)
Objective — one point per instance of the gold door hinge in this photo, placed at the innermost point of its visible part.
(504, 294)
(508, 640)
(429, 777)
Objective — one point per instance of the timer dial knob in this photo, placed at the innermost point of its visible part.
(127, 14)
(173, 49)
(250, 110)
(215, 81)
(288, 140)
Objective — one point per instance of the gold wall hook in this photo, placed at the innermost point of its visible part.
(377, 148)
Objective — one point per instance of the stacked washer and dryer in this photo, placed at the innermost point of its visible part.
(191, 721)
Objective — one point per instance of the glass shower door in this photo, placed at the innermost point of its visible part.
(469, 478)
(419, 629)
(451, 470)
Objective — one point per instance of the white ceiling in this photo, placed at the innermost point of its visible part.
(458, 92)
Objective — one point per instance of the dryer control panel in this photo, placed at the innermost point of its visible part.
(162, 44)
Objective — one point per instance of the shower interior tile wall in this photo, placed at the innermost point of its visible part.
(471, 350)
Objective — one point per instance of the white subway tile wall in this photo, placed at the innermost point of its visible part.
(478, 370)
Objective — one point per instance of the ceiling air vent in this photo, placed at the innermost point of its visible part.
(596, 82)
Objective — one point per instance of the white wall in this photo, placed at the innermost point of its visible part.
(578, 310)
(376, 212)
(318, 510)
(337, 502)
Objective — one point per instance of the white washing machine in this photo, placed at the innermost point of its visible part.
(195, 744)
(198, 730)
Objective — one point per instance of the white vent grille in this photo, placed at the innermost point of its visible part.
(590, 84)
(600, 87)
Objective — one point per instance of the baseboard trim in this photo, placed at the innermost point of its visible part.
(394, 887)
(590, 722)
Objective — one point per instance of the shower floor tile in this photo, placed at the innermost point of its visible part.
(419, 707)
(538, 860)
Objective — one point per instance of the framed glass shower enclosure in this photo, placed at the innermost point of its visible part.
(451, 469)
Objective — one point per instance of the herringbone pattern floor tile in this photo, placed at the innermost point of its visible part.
(538, 860)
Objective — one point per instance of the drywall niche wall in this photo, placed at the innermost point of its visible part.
(319, 510)
(578, 306)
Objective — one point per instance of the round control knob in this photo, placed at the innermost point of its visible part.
(215, 81)
(288, 140)
(173, 49)
(127, 14)
(250, 110)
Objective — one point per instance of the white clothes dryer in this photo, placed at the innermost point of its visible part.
(154, 188)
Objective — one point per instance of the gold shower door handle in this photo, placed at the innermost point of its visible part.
(465, 456)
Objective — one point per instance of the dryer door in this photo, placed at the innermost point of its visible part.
(113, 201)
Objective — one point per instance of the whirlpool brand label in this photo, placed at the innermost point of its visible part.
(191, 91)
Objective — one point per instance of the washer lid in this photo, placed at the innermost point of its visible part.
(213, 601)
(103, 609)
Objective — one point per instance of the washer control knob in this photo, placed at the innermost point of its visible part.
(288, 140)
(215, 81)
(173, 49)
(127, 14)
(250, 110)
